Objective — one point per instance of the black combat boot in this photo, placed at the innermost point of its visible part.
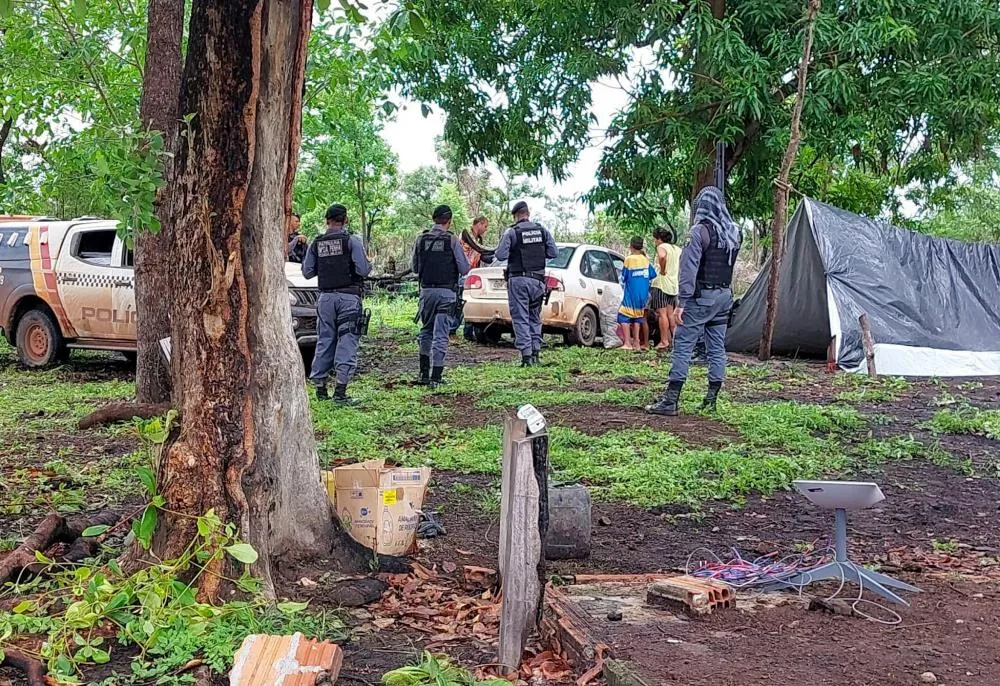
(668, 404)
(535, 361)
(436, 379)
(322, 393)
(340, 395)
(712, 396)
(425, 370)
(527, 360)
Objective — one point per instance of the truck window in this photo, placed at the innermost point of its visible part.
(95, 247)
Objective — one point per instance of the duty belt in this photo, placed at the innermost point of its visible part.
(540, 276)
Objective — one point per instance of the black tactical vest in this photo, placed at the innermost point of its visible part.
(527, 250)
(715, 270)
(438, 268)
(334, 265)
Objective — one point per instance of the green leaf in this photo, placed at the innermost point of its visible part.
(92, 531)
(322, 6)
(148, 479)
(291, 608)
(41, 558)
(80, 10)
(6, 7)
(147, 527)
(24, 606)
(99, 656)
(120, 600)
(243, 552)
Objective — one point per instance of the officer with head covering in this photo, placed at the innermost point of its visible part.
(339, 260)
(526, 246)
(704, 300)
(439, 262)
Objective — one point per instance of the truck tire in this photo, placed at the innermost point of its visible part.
(39, 341)
(585, 331)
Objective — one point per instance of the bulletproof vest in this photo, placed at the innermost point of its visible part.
(334, 265)
(715, 270)
(438, 268)
(527, 251)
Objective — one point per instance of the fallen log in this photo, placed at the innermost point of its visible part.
(122, 412)
(32, 668)
(51, 530)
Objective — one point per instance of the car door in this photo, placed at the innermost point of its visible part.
(598, 270)
(84, 278)
(123, 293)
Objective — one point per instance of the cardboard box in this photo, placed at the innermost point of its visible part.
(378, 505)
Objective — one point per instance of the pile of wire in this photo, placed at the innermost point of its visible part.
(776, 572)
(765, 570)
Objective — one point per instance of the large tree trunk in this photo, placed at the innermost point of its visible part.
(245, 446)
(781, 189)
(158, 111)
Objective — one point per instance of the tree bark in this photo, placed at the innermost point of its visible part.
(158, 111)
(4, 133)
(781, 189)
(245, 445)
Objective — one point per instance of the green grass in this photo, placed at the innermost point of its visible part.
(966, 420)
(775, 442)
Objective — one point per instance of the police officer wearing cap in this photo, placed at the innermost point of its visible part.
(526, 246)
(439, 262)
(339, 260)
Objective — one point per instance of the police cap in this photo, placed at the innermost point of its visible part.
(442, 213)
(336, 213)
(519, 206)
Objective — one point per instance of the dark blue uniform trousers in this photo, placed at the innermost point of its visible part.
(524, 296)
(337, 347)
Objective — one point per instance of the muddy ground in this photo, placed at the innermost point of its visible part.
(937, 529)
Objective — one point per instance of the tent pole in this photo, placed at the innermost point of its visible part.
(868, 343)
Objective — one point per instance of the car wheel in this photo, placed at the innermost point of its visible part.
(308, 352)
(39, 342)
(486, 334)
(585, 331)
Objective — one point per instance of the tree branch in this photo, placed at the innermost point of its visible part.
(90, 67)
(781, 187)
(4, 132)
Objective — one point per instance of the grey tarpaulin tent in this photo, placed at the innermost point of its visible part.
(933, 304)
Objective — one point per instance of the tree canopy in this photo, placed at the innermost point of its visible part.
(900, 92)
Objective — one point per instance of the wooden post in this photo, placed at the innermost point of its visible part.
(831, 355)
(781, 188)
(868, 344)
(523, 525)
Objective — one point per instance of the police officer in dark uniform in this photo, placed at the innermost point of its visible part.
(526, 246)
(705, 299)
(439, 262)
(340, 262)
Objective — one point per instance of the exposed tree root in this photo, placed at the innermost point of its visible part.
(32, 668)
(122, 412)
(51, 530)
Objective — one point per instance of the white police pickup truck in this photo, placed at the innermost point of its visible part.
(70, 284)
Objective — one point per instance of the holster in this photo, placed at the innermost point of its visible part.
(732, 311)
(362, 323)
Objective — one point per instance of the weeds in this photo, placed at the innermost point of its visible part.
(966, 419)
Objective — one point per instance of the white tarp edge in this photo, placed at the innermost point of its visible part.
(905, 360)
